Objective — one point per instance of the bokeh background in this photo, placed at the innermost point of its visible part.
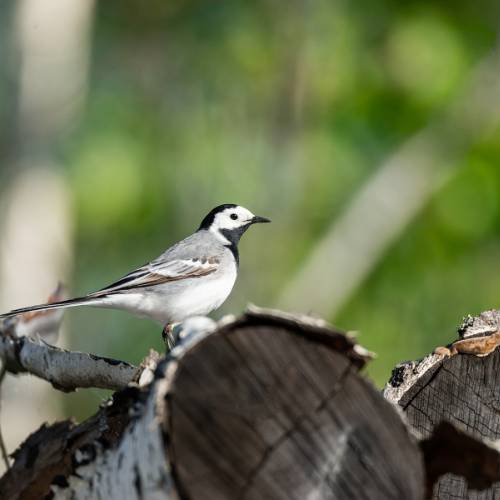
(368, 131)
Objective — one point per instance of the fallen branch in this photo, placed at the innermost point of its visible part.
(65, 370)
(23, 349)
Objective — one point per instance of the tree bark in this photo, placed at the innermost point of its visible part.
(65, 370)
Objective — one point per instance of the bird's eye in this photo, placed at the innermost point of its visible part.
(233, 216)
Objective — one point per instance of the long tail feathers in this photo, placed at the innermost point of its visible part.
(80, 301)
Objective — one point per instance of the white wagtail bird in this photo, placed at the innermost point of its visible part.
(193, 277)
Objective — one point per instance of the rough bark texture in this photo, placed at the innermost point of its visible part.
(54, 452)
(264, 407)
(462, 390)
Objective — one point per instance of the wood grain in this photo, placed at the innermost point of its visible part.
(462, 390)
(267, 411)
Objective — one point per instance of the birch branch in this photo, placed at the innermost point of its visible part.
(65, 370)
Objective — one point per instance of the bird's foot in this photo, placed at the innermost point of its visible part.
(168, 336)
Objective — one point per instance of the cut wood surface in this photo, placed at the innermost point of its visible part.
(463, 390)
(285, 415)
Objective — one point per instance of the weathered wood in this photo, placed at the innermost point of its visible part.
(52, 453)
(463, 390)
(264, 407)
(285, 415)
(65, 370)
(451, 451)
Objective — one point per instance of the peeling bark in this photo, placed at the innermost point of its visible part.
(65, 370)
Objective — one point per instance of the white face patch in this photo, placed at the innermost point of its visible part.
(230, 218)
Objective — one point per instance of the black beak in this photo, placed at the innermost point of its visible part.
(258, 219)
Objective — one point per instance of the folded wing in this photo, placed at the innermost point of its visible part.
(158, 272)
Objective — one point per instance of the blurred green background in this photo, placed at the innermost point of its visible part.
(289, 109)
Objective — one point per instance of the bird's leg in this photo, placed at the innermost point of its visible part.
(168, 336)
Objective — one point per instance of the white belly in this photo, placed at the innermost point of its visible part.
(201, 298)
(178, 300)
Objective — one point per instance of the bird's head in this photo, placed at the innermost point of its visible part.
(228, 222)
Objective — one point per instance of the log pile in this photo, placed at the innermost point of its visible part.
(273, 406)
